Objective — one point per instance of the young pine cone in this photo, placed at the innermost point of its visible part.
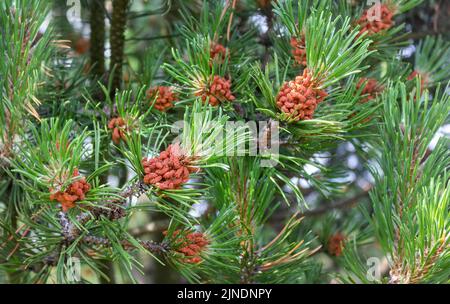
(118, 127)
(170, 170)
(165, 97)
(299, 97)
(218, 52)
(298, 50)
(371, 88)
(423, 80)
(414, 74)
(264, 4)
(75, 192)
(218, 92)
(189, 244)
(336, 244)
(371, 25)
(82, 46)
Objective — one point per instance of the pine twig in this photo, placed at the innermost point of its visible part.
(230, 20)
(157, 248)
(113, 211)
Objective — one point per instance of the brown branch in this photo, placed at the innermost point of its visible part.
(230, 20)
(158, 248)
(114, 210)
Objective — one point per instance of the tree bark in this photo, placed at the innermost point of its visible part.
(117, 41)
(97, 21)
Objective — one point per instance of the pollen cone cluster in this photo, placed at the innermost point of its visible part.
(190, 244)
(299, 50)
(82, 46)
(371, 88)
(336, 244)
(165, 97)
(372, 25)
(218, 51)
(75, 192)
(264, 4)
(299, 97)
(423, 80)
(415, 74)
(118, 127)
(219, 91)
(170, 170)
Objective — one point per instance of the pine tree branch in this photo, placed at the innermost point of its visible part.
(153, 247)
(157, 248)
(113, 211)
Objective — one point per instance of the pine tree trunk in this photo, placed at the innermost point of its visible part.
(98, 37)
(117, 41)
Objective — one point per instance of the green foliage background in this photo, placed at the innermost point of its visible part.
(372, 172)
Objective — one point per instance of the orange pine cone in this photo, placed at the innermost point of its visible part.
(298, 50)
(170, 170)
(336, 244)
(299, 97)
(118, 127)
(414, 74)
(376, 26)
(165, 97)
(75, 192)
(264, 3)
(218, 92)
(190, 244)
(423, 80)
(371, 88)
(218, 51)
(82, 46)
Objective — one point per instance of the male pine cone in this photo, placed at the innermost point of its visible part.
(299, 98)
(170, 170)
